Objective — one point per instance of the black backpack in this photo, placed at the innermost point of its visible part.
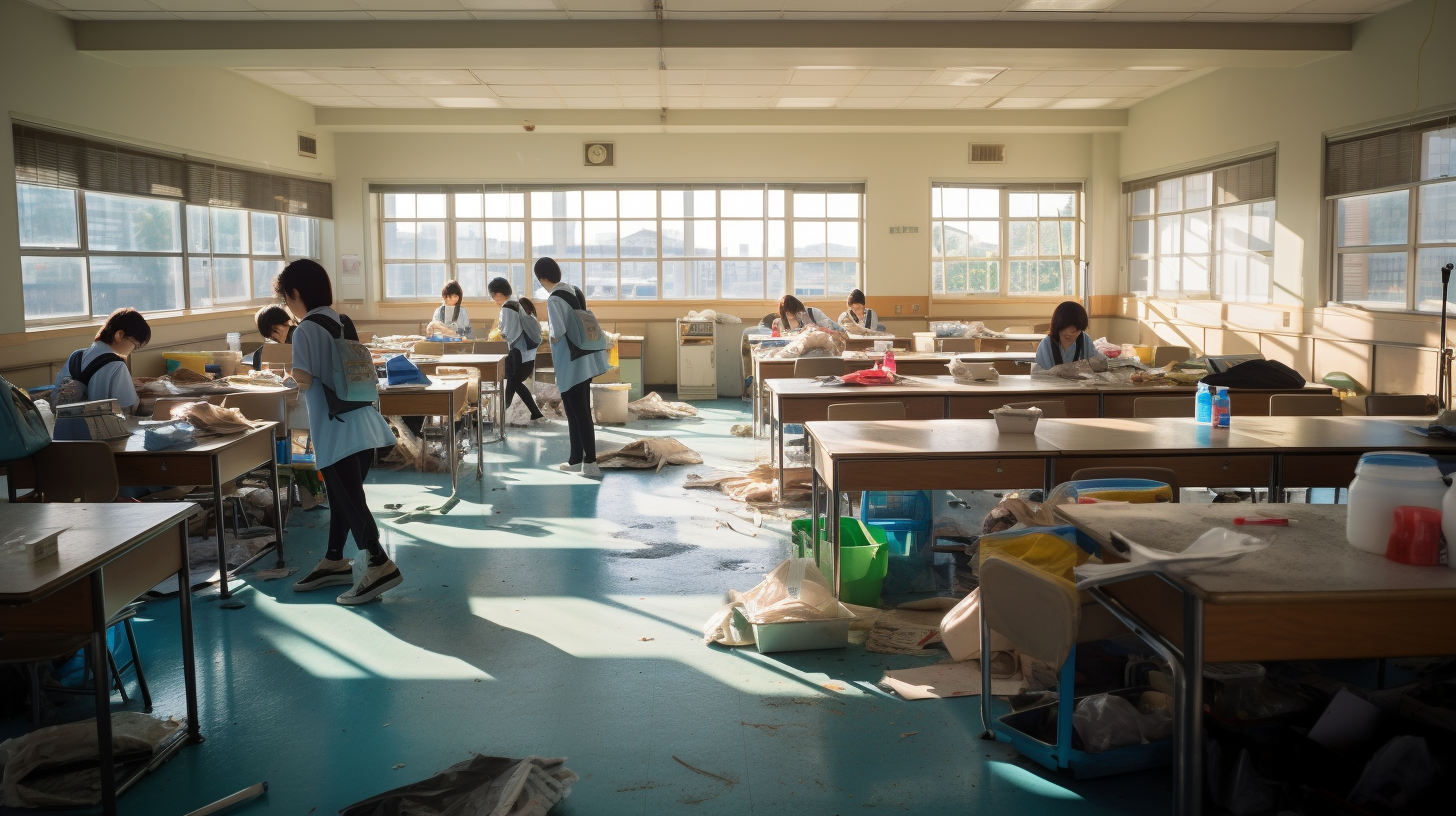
(526, 333)
(1257, 374)
(74, 385)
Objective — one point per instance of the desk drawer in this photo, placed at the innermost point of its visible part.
(1317, 469)
(931, 474)
(1197, 470)
(814, 409)
(978, 407)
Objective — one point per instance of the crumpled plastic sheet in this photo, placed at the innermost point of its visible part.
(207, 418)
(757, 485)
(1216, 547)
(1107, 721)
(479, 786)
(794, 591)
(653, 406)
(654, 452)
(548, 399)
(31, 759)
(808, 343)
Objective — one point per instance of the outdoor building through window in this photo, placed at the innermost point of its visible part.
(1000, 240)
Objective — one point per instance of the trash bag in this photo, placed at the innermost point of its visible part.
(479, 786)
(795, 591)
(1257, 374)
(1397, 775)
(1105, 722)
(58, 766)
(1052, 550)
(1236, 788)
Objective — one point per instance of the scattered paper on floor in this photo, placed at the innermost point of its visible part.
(653, 406)
(943, 680)
(655, 452)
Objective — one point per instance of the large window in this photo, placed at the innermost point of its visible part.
(104, 226)
(1205, 234)
(1016, 241)
(1392, 201)
(660, 242)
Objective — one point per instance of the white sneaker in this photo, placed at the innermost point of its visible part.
(567, 467)
(541, 421)
(327, 573)
(373, 584)
(591, 471)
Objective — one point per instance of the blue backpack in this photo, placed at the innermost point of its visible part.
(22, 430)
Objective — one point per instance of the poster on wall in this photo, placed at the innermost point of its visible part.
(351, 277)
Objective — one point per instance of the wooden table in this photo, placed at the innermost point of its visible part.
(910, 455)
(1324, 453)
(108, 555)
(492, 368)
(1007, 342)
(856, 342)
(1309, 596)
(441, 398)
(1200, 454)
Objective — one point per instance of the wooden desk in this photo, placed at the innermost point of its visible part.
(1323, 451)
(1200, 454)
(1309, 596)
(110, 554)
(442, 398)
(1009, 342)
(854, 342)
(492, 368)
(910, 455)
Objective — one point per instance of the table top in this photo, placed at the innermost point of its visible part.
(95, 534)
(926, 386)
(465, 359)
(206, 446)
(947, 385)
(1309, 560)
(1162, 435)
(922, 439)
(1342, 434)
(436, 386)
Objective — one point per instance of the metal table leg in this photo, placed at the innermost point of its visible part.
(277, 509)
(101, 676)
(222, 569)
(834, 542)
(450, 444)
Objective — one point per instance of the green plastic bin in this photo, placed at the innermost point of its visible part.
(864, 557)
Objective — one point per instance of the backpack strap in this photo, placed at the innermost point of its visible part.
(571, 300)
(350, 333)
(73, 365)
(512, 305)
(101, 361)
(456, 317)
(335, 330)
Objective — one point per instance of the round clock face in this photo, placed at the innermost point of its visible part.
(596, 154)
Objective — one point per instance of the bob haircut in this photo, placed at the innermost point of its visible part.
(546, 269)
(855, 296)
(269, 318)
(527, 306)
(1068, 313)
(789, 305)
(309, 280)
(499, 286)
(125, 321)
(452, 288)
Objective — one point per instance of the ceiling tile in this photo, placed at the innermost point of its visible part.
(507, 77)
(220, 16)
(1301, 17)
(1014, 77)
(928, 102)
(131, 15)
(426, 76)
(946, 91)
(684, 102)
(684, 90)
(748, 77)
(458, 14)
(544, 14)
(826, 76)
(466, 102)
(638, 90)
(975, 102)
(641, 102)
(737, 102)
(282, 77)
(1044, 91)
(89, 6)
(1090, 91)
(195, 5)
(606, 5)
(899, 15)
(1139, 78)
(582, 91)
(408, 5)
(834, 15)
(461, 91)
(367, 77)
(336, 101)
(644, 76)
(884, 102)
(313, 90)
(1163, 5)
(305, 5)
(493, 6)
(743, 91)
(1050, 16)
(968, 77)
(399, 102)
(816, 90)
(577, 77)
(1254, 6)
(592, 102)
(802, 102)
(1073, 104)
(1346, 6)
(872, 91)
(320, 16)
(538, 103)
(1022, 102)
(1056, 77)
(977, 6)
(1215, 17)
(523, 90)
(678, 76)
(378, 90)
(895, 77)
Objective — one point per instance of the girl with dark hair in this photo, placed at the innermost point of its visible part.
(343, 444)
(794, 315)
(858, 314)
(573, 376)
(276, 326)
(102, 366)
(522, 333)
(451, 313)
(1067, 339)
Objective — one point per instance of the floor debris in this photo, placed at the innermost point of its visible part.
(656, 452)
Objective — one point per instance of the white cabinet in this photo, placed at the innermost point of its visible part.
(697, 360)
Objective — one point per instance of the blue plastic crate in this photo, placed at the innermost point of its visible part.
(898, 506)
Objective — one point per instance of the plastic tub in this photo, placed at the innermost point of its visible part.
(1385, 480)
(1016, 420)
(609, 402)
(863, 561)
(924, 342)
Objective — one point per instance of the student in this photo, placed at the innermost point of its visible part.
(276, 326)
(1067, 340)
(858, 314)
(793, 316)
(125, 331)
(451, 313)
(573, 377)
(519, 327)
(343, 444)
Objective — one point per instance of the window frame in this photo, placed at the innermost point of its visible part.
(1004, 258)
(528, 220)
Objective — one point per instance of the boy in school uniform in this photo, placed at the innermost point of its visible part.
(276, 325)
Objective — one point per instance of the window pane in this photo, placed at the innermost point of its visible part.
(1137, 274)
(429, 279)
(1438, 154)
(1023, 205)
(505, 239)
(263, 274)
(1195, 273)
(1142, 202)
(985, 203)
(639, 278)
(1051, 238)
(1198, 191)
(808, 205)
(957, 276)
(639, 240)
(1196, 232)
(638, 204)
(399, 239)
(937, 242)
(843, 240)
(505, 205)
(600, 203)
(679, 203)
(689, 279)
(743, 204)
(672, 239)
(937, 277)
(469, 205)
(148, 284)
(571, 272)
(430, 205)
(1023, 238)
(1170, 195)
(469, 240)
(430, 240)
(1169, 273)
(601, 280)
(303, 237)
(1055, 205)
(703, 237)
(230, 280)
(266, 238)
(472, 279)
(1374, 278)
(1428, 277)
(809, 278)
(399, 205)
(399, 280)
(601, 240)
(199, 282)
(556, 239)
(742, 279)
(124, 224)
(843, 205)
(1170, 234)
(843, 277)
(1438, 213)
(199, 230)
(47, 217)
(982, 277)
(776, 203)
(230, 232)
(775, 239)
(1373, 220)
(1261, 227)
(559, 204)
(742, 239)
(775, 283)
(1069, 237)
(808, 240)
(53, 287)
(1035, 278)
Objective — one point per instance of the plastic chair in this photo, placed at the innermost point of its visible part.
(1146, 407)
(1306, 405)
(1162, 355)
(1399, 405)
(68, 472)
(806, 367)
(1050, 409)
(957, 345)
(1164, 475)
(866, 411)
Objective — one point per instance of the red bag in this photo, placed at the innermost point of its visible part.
(869, 376)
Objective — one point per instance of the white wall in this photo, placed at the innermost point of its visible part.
(205, 112)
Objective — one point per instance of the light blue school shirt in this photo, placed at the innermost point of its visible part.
(569, 372)
(813, 316)
(444, 313)
(514, 331)
(333, 439)
(112, 381)
(1088, 351)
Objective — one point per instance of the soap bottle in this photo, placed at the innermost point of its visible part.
(1203, 406)
(1221, 408)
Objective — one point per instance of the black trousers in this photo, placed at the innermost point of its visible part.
(516, 384)
(348, 509)
(576, 401)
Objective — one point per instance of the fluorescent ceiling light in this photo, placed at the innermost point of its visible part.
(968, 77)
(807, 102)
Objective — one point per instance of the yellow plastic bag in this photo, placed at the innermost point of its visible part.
(1051, 549)
(495, 335)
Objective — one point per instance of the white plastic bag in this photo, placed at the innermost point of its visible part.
(1218, 546)
(1105, 722)
(960, 630)
(795, 591)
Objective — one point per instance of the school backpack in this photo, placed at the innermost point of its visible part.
(1257, 374)
(22, 429)
(530, 326)
(355, 384)
(583, 335)
(75, 380)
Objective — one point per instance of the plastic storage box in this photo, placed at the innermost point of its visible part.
(864, 557)
(795, 636)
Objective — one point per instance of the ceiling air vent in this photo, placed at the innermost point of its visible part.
(308, 145)
(988, 154)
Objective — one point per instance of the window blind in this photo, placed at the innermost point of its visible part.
(217, 185)
(816, 187)
(1378, 159)
(1051, 187)
(1242, 180)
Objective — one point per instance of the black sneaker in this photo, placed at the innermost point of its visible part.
(327, 573)
(375, 582)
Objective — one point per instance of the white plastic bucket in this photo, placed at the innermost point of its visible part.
(609, 402)
(1385, 480)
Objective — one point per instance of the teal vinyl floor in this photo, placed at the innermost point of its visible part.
(552, 615)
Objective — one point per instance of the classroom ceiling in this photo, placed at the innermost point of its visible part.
(861, 56)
